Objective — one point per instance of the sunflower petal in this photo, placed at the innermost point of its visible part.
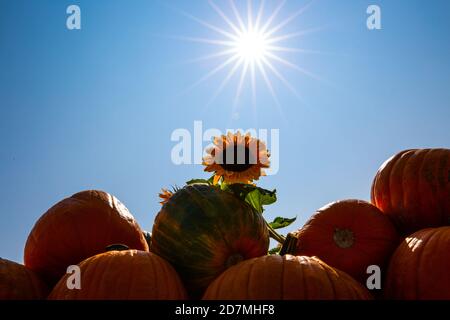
(216, 179)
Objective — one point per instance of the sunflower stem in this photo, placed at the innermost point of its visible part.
(273, 234)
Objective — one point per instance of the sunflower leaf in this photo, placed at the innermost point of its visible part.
(255, 196)
(256, 199)
(198, 181)
(275, 250)
(224, 186)
(211, 179)
(280, 222)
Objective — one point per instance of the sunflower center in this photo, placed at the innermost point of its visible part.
(241, 159)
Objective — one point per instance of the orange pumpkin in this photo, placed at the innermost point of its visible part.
(349, 235)
(77, 228)
(413, 189)
(123, 275)
(19, 283)
(420, 267)
(286, 277)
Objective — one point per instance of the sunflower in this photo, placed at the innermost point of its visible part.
(237, 158)
(165, 195)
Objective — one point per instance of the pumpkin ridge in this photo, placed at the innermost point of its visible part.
(395, 163)
(249, 278)
(434, 234)
(132, 279)
(220, 280)
(83, 249)
(403, 188)
(397, 174)
(386, 181)
(109, 220)
(442, 164)
(110, 265)
(233, 279)
(166, 274)
(157, 264)
(170, 280)
(330, 280)
(95, 268)
(417, 261)
(421, 175)
(438, 186)
(413, 165)
(283, 261)
(51, 253)
(305, 276)
(228, 245)
(90, 269)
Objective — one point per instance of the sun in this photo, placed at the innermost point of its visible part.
(251, 45)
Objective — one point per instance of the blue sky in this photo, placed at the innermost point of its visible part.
(95, 108)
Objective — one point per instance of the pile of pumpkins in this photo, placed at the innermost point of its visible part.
(209, 244)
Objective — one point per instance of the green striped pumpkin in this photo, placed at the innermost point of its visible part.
(202, 231)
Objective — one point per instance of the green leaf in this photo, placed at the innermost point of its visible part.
(280, 222)
(198, 181)
(259, 198)
(211, 179)
(224, 186)
(255, 196)
(255, 199)
(275, 250)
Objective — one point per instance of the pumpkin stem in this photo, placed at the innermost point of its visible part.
(234, 259)
(343, 238)
(290, 245)
(148, 238)
(117, 247)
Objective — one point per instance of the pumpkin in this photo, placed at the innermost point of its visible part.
(420, 267)
(349, 235)
(122, 275)
(19, 283)
(77, 228)
(413, 189)
(287, 277)
(202, 230)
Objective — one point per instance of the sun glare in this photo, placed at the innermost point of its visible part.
(251, 46)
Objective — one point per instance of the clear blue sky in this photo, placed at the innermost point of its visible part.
(95, 108)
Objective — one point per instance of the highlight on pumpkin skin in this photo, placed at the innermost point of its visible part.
(249, 158)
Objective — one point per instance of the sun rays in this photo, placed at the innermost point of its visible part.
(250, 45)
